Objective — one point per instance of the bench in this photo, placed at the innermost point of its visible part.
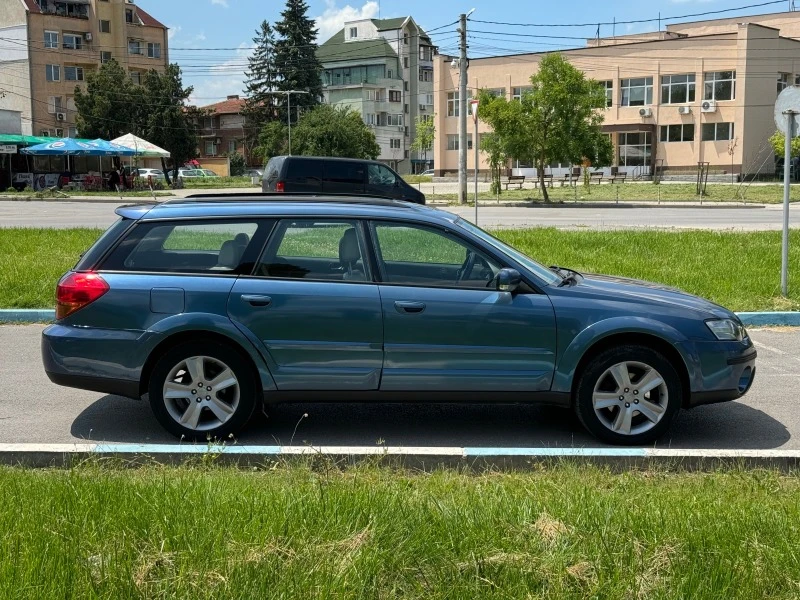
(575, 176)
(515, 180)
(596, 177)
(618, 177)
(547, 179)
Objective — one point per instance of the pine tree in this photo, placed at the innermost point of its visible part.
(259, 107)
(296, 58)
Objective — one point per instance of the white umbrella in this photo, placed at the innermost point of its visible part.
(142, 147)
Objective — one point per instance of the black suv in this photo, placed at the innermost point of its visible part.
(312, 174)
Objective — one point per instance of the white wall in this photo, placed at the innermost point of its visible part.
(15, 82)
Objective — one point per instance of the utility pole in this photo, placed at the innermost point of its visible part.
(289, 110)
(462, 110)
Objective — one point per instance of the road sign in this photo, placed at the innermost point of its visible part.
(788, 99)
(473, 109)
(8, 149)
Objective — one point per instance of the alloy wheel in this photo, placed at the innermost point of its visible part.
(630, 398)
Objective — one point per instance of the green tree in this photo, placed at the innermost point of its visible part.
(262, 77)
(272, 141)
(330, 131)
(557, 120)
(425, 135)
(167, 120)
(296, 53)
(110, 106)
(492, 146)
(778, 141)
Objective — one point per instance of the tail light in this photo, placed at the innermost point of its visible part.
(280, 187)
(76, 290)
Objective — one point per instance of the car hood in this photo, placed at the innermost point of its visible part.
(623, 288)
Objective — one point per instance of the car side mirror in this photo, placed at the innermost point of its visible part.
(508, 280)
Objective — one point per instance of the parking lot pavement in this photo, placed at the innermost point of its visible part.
(33, 410)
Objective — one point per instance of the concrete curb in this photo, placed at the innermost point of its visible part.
(62, 455)
(750, 319)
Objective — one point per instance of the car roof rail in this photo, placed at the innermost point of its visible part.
(291, 197)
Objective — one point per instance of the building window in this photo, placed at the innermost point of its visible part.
(129, 15)
(405, 108)
(720, 85)
(635, 148)
(426, 53)
(429, 99)
(405, 39)
(394, 120)
(405, 62)
(783, 81)
(73, 73)
(72, 132)
(208, 123)
(425, 74)
(608, 86)
(105, 57)
(54, 105)
(395, 96)
(354, 32)
(497, 92)
(636, 92)
(73, 41)
(516, 93)
(797, 79)
(231, 146)
(134, 47)
(59, 133)
(53, 72)
(389, 74)
(211, 148)
(677, 89)
(405, 86)
(153, 50)
(677, 133)
(105, 26)
(51, 39)
(452, 141)
(717, 132)
(452, 104)
(136, 77)
(394, 143)
(369, 118)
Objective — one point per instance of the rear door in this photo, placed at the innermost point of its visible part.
(344, 177)
(313, 306)
(303, 175)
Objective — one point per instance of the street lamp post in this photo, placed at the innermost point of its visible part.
(289, 110)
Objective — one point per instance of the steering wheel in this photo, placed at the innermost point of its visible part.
(466, 268)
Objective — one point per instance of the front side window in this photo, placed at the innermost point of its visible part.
(415, 255)
(636, 92)
(202, 247)
(677, 89)
(380, 175)
(719, 85)
(677, 133)
(717, 132)
(319, 250)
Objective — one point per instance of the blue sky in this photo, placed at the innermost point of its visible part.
(199, 27)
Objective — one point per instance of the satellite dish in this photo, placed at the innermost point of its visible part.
(788, 99)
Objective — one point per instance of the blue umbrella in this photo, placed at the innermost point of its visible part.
(73, 147)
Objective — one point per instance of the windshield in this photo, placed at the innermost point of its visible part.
(534, 267)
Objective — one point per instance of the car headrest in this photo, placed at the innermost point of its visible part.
(349, 251)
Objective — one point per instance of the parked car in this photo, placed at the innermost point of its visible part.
(427, 173)
(208, 173)
(214, 306)
(154, 173)
(190, 173)
(311, 174)
(254, 173)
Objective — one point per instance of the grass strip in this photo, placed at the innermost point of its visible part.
(738, 270)
(560, 532)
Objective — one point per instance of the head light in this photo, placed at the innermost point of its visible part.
(727, 329)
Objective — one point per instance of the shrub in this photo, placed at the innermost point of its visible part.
(237, 164)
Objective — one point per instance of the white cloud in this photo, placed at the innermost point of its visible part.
(220, 2)
(173, 31)
(200, 37)
(333, 18)
(222, 80)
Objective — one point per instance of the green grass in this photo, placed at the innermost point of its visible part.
(31, 195)
(738, 270)
(200, 183)
(417, 178)
(677, 192)
(366, 532)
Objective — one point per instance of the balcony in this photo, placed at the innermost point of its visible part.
(76, 9)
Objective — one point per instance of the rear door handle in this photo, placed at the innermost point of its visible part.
(409, 307)
(256, 300)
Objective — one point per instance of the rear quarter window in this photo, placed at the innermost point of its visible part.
(222, 247)
(89, 258)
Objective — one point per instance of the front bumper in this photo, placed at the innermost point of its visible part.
(723, 371)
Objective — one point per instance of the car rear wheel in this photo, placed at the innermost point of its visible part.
(202, 391)
(628, 395)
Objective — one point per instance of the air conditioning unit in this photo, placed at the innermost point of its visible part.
(684, 110)
(218, 141)
(88, 36)
(708, 106)
(61, 116)
(645, 112)
(44, 133)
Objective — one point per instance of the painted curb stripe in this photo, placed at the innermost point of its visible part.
(750, 319)
(566, 452)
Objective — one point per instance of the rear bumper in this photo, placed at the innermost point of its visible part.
(117, 387)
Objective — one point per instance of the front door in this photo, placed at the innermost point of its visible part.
(383, 183)
(446, 327)
(313, 308)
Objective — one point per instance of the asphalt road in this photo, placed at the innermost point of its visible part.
(33, 410)
(58, 214)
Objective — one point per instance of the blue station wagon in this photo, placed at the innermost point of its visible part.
(212, 306)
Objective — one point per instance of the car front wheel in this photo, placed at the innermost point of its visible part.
(628, 395)
(202, 391)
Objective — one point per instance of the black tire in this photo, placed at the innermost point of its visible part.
(232, 358)
(596, 368)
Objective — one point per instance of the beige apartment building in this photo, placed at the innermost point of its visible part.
(47, 47)
(699, 92)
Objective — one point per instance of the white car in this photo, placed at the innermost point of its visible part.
(154, 173)
(428, 173)
(190, 173)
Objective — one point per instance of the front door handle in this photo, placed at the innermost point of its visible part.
(256, 300)
(409, 307)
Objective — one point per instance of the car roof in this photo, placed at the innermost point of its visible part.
(331, 158)
(282, 205)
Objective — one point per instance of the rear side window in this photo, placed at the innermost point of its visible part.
(272, 172)
(300, 169)
(340, 171)
(222, 247)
